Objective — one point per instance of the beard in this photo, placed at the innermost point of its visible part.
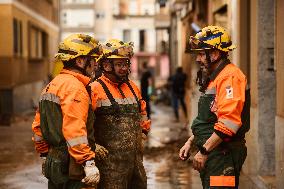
(122, 78)
(202, 78)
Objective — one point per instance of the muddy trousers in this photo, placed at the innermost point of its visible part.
(70, 184)
(222, 168)
(117, 173)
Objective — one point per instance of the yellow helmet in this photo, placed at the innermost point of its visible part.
(115, 48)
(211, 37)
(78, 45)
(73, 46)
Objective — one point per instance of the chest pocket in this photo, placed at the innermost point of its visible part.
(204, 108)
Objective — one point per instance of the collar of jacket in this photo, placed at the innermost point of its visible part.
(104, 78)
(84, 79)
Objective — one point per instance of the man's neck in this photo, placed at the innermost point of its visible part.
(75, 70)
(216, 65)
(111, 77)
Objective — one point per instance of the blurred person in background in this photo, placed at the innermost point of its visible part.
(223, 111)
(146, 83)
(178, 92)
(121, 123)
(63, 124)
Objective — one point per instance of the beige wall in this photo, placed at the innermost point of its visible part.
(254, 52)
(16, 70)
(251, 164)
(279, 122)
(48, 9)
(6, 30)
(280, 57)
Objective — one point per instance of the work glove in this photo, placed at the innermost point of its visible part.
(43, 164)
(101, 152)
(92, 173)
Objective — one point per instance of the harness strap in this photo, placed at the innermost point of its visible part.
(108, 93)
(134, 94)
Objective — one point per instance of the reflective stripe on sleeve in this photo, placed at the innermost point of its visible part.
(76, 141)
(37, 138)
(50, 97)
(229, 124)
(222, 181)
(211, 91)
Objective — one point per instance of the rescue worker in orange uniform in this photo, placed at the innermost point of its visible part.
(121, 120)
(223, 111)
(62, 128)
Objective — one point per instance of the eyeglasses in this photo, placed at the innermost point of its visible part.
(122, 65)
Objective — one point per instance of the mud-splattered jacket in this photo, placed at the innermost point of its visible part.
(64, 111)
(123, 95)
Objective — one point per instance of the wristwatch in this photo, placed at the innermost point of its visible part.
(203, 150)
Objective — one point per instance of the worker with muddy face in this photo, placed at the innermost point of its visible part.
(121, 123)
(223, 111)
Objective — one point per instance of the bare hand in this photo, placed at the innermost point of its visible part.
(199, 161)
(184, 151)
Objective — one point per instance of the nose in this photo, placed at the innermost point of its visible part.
(198, 57)
(124, 68)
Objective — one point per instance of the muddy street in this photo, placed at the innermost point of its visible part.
(20, 166)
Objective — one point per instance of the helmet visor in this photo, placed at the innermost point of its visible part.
(197, 45)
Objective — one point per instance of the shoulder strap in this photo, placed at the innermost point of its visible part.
(109, 95)
(134, 94)
(219, 69)
(89, 90)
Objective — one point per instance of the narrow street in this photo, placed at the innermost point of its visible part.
(20, 165)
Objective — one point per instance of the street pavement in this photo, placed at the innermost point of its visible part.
(20, 166)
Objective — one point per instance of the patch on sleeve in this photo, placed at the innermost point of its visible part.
(229, 92)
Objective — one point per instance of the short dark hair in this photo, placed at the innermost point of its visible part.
(145, 64)
(179, 69)
(70, 63)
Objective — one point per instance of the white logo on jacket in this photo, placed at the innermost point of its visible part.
(229, 92)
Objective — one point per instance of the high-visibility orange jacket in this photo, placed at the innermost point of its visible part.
(122, 95)
(229, 87)
(63, 109)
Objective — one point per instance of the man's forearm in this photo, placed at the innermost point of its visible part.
(212, 142)
(190, 139)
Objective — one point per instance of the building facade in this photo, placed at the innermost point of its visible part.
(77, 16)
(134, 20)
(29, 37)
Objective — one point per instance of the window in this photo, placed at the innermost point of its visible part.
(38, 43)
(100, 15)
(17, 37)
(126, 35)
(142, 40)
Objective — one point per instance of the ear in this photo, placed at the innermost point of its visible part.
(107, 66)
(215, 54)
(80, 62)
